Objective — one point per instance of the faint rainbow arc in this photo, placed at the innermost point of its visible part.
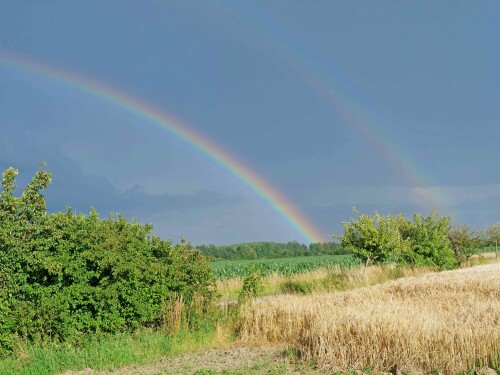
(264, 190)
(398, 160)
(333, 95)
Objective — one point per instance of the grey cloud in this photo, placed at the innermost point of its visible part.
(70, 187)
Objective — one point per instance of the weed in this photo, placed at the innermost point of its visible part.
(297, 287)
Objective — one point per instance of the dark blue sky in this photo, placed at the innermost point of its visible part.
(388, 106)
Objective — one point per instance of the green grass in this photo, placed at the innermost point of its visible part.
(106, 353)
(487, 249)
(285, 266)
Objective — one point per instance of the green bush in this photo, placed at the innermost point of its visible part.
(429, 242)
(336, 280)
(372, 238)
(63, 276)
(385, 239)
(252, 285)
(297, 287)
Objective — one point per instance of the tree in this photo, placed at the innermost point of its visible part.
(428, 238)
(493, 235)
(421, 242)
(373, 238)
(464, 242)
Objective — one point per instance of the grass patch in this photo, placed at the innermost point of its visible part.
(297, 287)
(104, 353)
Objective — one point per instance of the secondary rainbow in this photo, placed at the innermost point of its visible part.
(268, 193)
(338, 93)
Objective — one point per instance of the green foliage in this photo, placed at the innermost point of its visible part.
(327, 248)
(297, 287)
(252, 285)
(287, 266)
(493, 235)
(63, 275)
(372, 238)
(269, 250)
(465, 242)
(429, 242)
(421, 242)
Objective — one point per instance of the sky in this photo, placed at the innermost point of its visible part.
(313, 108)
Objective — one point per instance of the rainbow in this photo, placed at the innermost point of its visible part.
(333, 90)
(264, 190)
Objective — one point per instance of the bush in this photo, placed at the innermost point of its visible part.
(372, 238)
(429, 242)
(297, 287)
(383, 239)
(464, 242)
(63, 276)
(252, 285)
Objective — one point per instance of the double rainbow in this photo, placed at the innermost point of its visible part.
(263, 189)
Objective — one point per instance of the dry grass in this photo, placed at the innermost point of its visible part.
(323, 279)
(447, 321)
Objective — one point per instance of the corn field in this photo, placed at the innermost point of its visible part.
(285, 266)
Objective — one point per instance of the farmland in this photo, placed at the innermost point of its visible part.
(75, 286)
(443, 322)
(284, 266)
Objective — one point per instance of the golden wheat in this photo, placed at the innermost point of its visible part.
(321, 279)
(447, 321)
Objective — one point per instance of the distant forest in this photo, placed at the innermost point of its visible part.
(259, 250)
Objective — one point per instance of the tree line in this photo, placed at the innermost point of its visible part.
(269, 250)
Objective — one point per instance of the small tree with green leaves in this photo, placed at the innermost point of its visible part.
(464, 242)
(493, 235)
(373, 238)
(428, 238)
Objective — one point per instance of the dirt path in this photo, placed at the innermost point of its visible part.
(235, 360)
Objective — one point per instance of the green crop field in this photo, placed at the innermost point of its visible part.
(286, 266)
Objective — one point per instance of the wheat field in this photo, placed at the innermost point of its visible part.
(446, 322)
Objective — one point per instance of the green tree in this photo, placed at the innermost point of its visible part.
(464, 242)
(421, 242)
(429, 242)
(493, 235)
(373, 238)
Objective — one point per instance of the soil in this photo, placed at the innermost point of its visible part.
(239, 359)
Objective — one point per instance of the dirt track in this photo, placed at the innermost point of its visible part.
(244, 360)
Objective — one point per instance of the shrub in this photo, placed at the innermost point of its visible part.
(383, 239)
(297, 287)
(252, 285)
(63, 276)
(372, 238)
(429, 243)
(464, 242)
